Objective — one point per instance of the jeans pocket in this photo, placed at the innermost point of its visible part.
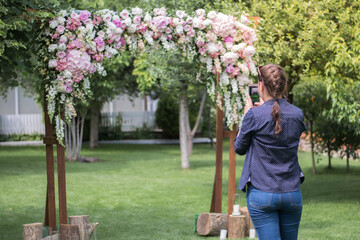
(259, 199)
(295, 199)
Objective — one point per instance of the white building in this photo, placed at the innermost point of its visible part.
(21, 114)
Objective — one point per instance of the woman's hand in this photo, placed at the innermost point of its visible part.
(257, 104)
(248, 104)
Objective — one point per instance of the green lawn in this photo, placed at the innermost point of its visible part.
(141, 192)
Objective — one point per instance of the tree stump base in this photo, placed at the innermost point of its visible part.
(210, 224)
(244, 211)
(238, 227)
(33, 231)
(69, 232)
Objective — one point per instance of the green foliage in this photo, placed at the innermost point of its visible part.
(167, 115)
(21, 137)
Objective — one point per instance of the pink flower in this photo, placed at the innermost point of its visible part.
(191, 33)
(78, 63)
(187, 28)
(97, 20)
(60, 29)
(100, 48)
(84, 15)
(68, 88)
(99, 41)
(200, 42)
(78, 78)
(161, 22)
(92, 68)
(74, 15)
(61, 54)
(202, 51)
(63, 39)
(124, 14)
(98, 57)
(117, 22)
(168, 30)
(88, 21)
(230, 69)
(101, 34)
(228, 39)
(107, 55)
(137, 20)
(169, 37)
(107, 18)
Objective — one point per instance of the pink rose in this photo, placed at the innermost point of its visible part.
(98, 57)
(78, 78)
(168, 30)
(68, 88)
(124, 14)
(63, 40)
(180, 14)
(101, 34)
(100, 48)
(187, 28)
(61, 54)
(137, 20)
(169, 37)
(60, 29)
(84, 15)
(117, 22)
(99, 41)
(88, 21)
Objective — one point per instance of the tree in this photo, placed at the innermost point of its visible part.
(176, 75)
(310, 96)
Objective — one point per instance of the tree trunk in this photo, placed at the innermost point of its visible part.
(82, 223)
(238, 228)
(73, 136)
(312, 148)
(33, 231)
(183, 133)
(347, 159)
(210, 224)
(69, 232)
(329, 154)
(94, 127)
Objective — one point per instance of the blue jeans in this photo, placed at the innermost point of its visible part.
(276, 216)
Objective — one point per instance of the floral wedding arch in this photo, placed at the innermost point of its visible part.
(78, 41)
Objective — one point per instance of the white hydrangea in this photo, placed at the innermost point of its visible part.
(212, 47)
(238, 47)
(211, 15)
(52, 47)
(224, 79)
(53, 24)
(147, 18)
(234, 86)
(243, 79)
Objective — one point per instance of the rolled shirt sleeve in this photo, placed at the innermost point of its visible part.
(243, 139)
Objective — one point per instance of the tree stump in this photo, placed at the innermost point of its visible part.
(238, 227)
(82, 222)
(33, 231)
(52, 237)
(69, 232)
(244, 211)
(210, 224)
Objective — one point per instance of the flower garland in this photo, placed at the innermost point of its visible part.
(80, 40)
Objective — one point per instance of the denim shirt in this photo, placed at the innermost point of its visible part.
(271, 162)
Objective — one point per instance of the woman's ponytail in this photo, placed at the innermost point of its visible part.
(276, 117)
(274, 79)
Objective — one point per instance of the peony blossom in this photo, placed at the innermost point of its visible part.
(84, 15)
(124, 14)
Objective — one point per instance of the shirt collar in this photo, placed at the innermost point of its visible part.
(272, 100)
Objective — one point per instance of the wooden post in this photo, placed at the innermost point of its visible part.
(217, 190)
(61, 180)
(232, 169)
(49, 140)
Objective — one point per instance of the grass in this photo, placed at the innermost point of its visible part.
(141, 192)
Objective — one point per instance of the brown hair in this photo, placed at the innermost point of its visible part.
(274, 80)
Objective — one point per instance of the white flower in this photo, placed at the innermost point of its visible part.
(132, 28)
(200, 12)
(249, 51)
(244, 19)
(136, 11)
(238, 47)
(52, 63)
(176, 21)
(147, 18)
(243, 79)
(207, 22)
(118, 31)
(53, 24)
(107, 17)
(224, 79)
(62, 47)
(180, 14)
(63, 13)
(212, 47)
(229, 58)
(234, 86)
(253, 68)
(111, 26)
(52, 47)
(211, 15)
(67, 74)
(179, 29)
(61, 20)
(127, 21)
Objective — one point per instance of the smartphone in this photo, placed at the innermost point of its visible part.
(254, 94)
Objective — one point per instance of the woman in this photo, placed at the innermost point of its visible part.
(269, 137)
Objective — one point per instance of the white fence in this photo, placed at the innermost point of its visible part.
(22, 124)
(130, 120)
(33, 123)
